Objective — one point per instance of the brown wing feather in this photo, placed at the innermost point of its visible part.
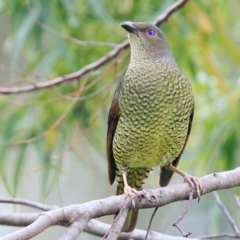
(113, 117)
(166, 174)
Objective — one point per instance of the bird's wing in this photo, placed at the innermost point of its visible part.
(165, 173)
(113, 117)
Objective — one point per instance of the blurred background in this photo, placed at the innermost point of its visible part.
(52, 141)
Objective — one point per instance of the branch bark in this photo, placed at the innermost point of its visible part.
(66, 216)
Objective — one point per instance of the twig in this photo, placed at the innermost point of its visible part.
(92, 66)
(227, 214)
(237, 200)
(180, 218)
(181, 231)
(220, 235)
(169, 11)
(69, 77)
(71, 39)
(150, 222)
(98, 228)
(28, 203)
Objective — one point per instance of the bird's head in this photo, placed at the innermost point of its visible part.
(146, 38)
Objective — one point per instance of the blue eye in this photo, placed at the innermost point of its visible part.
(151, 32)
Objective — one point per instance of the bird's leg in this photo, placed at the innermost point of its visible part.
(127, 189)
(191, 180)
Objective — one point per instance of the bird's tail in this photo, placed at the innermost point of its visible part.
(136, 179)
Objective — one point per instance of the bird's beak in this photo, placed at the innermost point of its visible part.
(128, 26)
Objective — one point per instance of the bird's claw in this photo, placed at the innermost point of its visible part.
(129, 191)
(194, 183)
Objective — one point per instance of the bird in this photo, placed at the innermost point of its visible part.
(150, 116)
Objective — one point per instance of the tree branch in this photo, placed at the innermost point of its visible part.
(97, 228)
(28, 203)
(74, 230)
(92, 66)
(146, 199)
(229, 219)
(227, 214)
(220, 235)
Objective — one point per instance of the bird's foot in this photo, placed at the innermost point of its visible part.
(194, 183)
(129, 191)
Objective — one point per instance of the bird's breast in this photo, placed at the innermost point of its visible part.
(154, 113)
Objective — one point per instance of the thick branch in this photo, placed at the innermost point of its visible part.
(111, 205)
(93, 66)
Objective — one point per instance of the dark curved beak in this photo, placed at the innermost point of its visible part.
(129, 27)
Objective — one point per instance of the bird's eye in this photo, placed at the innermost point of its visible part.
(151, 32)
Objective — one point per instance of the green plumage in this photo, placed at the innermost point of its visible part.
(150, 117)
